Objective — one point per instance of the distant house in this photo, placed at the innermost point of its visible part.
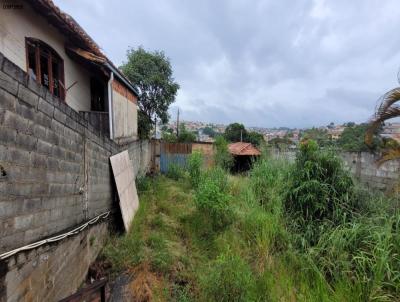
(243, 155)
(57, 53)
(391, 130)
(335, 132)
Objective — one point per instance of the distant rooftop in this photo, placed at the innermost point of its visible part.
(241, 148)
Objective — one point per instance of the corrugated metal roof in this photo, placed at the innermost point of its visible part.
(241, 148)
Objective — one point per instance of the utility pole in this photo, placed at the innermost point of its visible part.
(177, 124)
(241, 135)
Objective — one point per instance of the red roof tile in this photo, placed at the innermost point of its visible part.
(241, 148)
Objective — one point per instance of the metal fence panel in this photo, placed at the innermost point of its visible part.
(166, 160)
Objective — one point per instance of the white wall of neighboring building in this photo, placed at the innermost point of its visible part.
(124, 116)
(17, 24)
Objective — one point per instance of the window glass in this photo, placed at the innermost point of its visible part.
(44, 70)
(32, 62)
(56, 78)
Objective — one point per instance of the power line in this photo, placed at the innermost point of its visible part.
(55, 238)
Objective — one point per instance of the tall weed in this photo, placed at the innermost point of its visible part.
(213, 200)
(222, 157)
(195, 164)
(268, 180)
(366, 252)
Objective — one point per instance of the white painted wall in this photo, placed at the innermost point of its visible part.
(16, 24)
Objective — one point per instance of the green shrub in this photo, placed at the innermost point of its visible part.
(320, 192)
(212, 199)
(222, 157)
(229, 279)
(175, 171)
(195, 164)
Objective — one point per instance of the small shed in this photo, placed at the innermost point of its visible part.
(244, 154)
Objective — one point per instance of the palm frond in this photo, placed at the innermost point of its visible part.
(388, 155)
(388, 99)
(386, 110)
(390, 112)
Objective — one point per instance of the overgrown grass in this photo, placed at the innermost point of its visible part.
(175, 171)
(209, 236)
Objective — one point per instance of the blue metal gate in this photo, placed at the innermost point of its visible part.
(174, 154)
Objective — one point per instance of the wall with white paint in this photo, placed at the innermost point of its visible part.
(17, 24)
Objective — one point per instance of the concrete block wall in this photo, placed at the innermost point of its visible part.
(140, 155)
(52, 272)
(55, 164)
(285, 154)
(363, 166)
(54, 175)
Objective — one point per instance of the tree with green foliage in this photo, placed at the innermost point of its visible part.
(352, 138)
(144, 125)
(254, 137)
(349, 124)
(235, 132)
(209, 131)
(152, 74)
(331, 125)
(321, 136)
(169, 137)
(186, 136)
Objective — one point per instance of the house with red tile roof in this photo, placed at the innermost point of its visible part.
(243, 154)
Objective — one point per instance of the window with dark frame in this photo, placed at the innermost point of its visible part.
(97, 95)
(45, 66)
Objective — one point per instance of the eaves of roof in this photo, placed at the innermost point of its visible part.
(84, 45)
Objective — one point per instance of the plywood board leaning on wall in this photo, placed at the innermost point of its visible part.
(126, 186)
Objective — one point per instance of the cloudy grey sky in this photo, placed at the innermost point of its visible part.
(262, 62)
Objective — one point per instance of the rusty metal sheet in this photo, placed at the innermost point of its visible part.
(176, 148)
(126, 186)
